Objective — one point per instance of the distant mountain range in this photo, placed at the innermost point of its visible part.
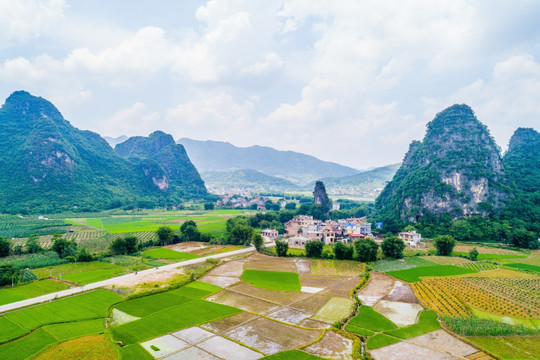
(47, 165)
(246, 179)
(295, 167)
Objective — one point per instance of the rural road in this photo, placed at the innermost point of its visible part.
(80, 289)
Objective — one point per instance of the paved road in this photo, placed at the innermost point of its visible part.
(76, 290)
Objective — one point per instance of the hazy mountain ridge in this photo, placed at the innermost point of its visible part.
(246, 179)
(292, 166)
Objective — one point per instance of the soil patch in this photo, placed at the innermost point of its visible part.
(275, 296)
(190, 246)
(314, 324)
(164, 345)
(229, 322)
(289, 315)
(228, 350)
(157, 277)
(270, 336)
(378, 286)
(343, 288)
(319, 281)
(400, 313)
(242, 301)
(190, 354)
(231, 268)
(332, 346)
(402, 292)
(486, 250)
(447, 260)
(193, 335)
(221, 281)
(346, 268)
(440, 340)
(408, 351)
(311, 304)
(335, 310)
(270, 263)
(303, 266)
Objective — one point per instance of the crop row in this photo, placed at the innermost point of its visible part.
(530, 285)
(478, 266)
(440, 301)
(519, 296)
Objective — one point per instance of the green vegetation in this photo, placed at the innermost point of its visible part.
(81, 273)
(72, 330)
(335, 310)
(314, 248)
(445, 245)
(369, 319)
(12, 226)
(407, 263)
(427, 321)
(10, 330)
(366, 249)
(471, 326)
(272, 280)
(282, 247)
(164, 253)
(528, 267)
(135, 351)
(171, 319)
(27, 346)
(392, 247)
(292, 355)
(32, 261)
(30, 290)
(489, 256)
(381, 340)
(509, 347)
(415, 274)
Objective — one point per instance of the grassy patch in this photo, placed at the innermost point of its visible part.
(27, 291)
(72, 330)
(415, 274)
(81, 307)
(358, 330)
(292, 355)
(381, 340)
(369, 319)
(27, 346)
(336, 309)
(163, 253)
(336, 267)
(401, 264)
(272, 280)
(505, 319)
(490, 256)
(75, 268)
(87, 348)
(427, 321)
(525, 267)
(171, 319)
(10, 330)
(471, 326)
(135, 351)
(92, 276)
(510, 347)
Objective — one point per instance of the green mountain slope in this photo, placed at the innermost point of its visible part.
(47, 165)
(456, 170)
(295, 167)
(522, 159)
(165, 164)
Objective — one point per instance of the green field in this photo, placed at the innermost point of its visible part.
(30, 290)
(401, 264)
(81, 307)
(336, 309)
(369, 319)
(427, 321)
(135, 351)
(381, 340)
(415, 274)
(292, 355)
(529, 267)
(75, 268)
(10, 330)
(509, 347)
(27, 346)
(72, 330)
(92, 276)
(163, 253)
(147, 305)
(272, 280)
(171, 319)
(490, 256)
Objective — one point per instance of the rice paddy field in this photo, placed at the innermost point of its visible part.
(30, 290)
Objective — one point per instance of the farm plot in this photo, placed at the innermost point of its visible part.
(270, 263)
(292, 355)
(242, 301)
(369, 319)
(336, 267)
(342, 288)
(270, 336)
(279, 297)
(401, 264)
(27, 346)
(447, 260)
(415, 274)
(88, 348)
(229, 322)
(272, 280)
(168, 254)
(336, 309)
(401, 292)
(400, 313)
(331, 346)
(378, 286)
(84, 272)
(509, 347)
(30, 290)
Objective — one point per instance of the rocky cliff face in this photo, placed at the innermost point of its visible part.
(523, 160)
(320, 198)
(164, 163)
(457, 169)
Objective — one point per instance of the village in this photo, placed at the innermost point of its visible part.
(304, 228)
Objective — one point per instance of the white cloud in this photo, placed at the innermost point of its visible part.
(135, 120)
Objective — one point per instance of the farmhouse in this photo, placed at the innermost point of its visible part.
(270, 233)
(411, 238)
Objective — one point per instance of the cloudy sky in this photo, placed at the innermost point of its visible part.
(347, 81)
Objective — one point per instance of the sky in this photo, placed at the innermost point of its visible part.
(348, 81)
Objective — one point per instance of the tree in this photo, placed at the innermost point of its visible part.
(63, 247)
(393, 247)
(209, 206)
(5, 247)
(342, 251)
(189, 231)
(7, 273)
(445, 245)
(118, 246)
(314, 248)
(524, 239)
(473, 254)
(258, 242)
(282, 247)
(461, 230)
(241, 234)
(84, 256)
(290, 206)
(132, 244)
(32, 245)
(366, 249)
(165, 234)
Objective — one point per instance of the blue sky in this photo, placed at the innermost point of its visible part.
(347, 81)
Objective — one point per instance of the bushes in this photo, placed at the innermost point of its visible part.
(470, 326)
(473, 254)
(393, 247)
(258, 242)
(314, 249)
(366, 250)
(445, 245)
(124, 246)
(342, 251)
(5, 247)
(282, 247)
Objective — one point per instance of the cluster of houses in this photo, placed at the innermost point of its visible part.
(303, 228)
(244, 202)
